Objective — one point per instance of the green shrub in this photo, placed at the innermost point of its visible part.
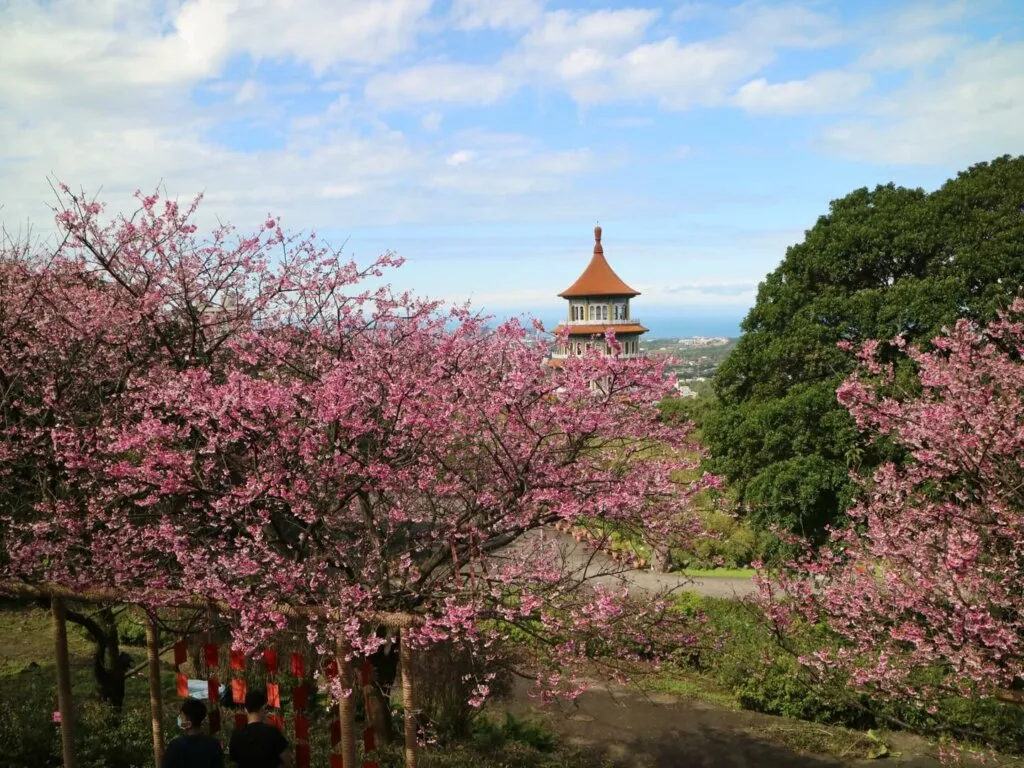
(443, 692)
(103, 739)
(487, 734)
(747, 660)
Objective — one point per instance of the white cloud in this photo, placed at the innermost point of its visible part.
(786, 26)
(439, 83)
(495, 14)
(431, 122)
(969, 112)
(461, 157)
(909, 54)
(822, 92)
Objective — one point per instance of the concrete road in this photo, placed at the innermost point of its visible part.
(601, 569)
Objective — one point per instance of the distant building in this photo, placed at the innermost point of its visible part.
(599, 300)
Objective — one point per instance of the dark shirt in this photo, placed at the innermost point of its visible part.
(257, 745)
(194, 751)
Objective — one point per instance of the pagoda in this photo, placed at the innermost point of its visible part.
(599, 300)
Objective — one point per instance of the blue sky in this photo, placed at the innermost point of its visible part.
(483, 140)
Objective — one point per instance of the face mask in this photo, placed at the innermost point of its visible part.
(182, 722)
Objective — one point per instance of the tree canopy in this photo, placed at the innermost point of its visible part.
(243, 419)
(883, 262)
(923, 597)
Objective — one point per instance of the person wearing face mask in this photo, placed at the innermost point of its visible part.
(193, 749)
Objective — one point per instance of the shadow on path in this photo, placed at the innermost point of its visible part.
(628, 729)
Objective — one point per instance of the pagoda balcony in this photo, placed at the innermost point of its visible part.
(606, 323)
(563, 355)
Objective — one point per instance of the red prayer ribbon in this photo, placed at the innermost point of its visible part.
(302, 756)
(210, 650)
(182, 685)
(300, 697)
(364, 673)
(237, 660)
(240, 720)
(336, 761)
(298, 665)
(301, 728)
(180, 653)
(270, 659)
(368, 741)
(273, 695)
(238, 691)
(276, 721)
(213, 690)
(332, 669)
(335, 732)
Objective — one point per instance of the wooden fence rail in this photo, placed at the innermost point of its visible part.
(58, 594)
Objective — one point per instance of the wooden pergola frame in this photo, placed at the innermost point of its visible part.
(59, 594)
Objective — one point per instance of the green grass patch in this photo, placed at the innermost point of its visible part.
(718, 573)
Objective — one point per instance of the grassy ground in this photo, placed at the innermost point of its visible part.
(673, 715)
(719, 573)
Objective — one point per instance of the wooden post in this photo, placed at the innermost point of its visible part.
(408, 699)
(347, 707)
(64, 704)
(156, 703)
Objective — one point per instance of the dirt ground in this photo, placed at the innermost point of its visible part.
(637, 730)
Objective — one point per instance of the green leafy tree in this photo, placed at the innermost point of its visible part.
(882, 262)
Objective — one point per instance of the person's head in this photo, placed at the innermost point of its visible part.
(193, 712)
(256, 704)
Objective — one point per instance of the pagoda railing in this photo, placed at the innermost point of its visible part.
(605, 323)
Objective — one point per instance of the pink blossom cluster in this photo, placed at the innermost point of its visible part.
(927, 576)
(242, 418)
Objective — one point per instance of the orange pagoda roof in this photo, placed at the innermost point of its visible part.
(598, 279)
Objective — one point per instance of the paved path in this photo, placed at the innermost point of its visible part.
(603, 570)
(624, 728)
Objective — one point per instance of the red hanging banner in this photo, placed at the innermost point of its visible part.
(302, 756)
(270, 659)
(182, 685)
(370, 764)
(298, 665)
(336, 762)
(180, 653)
(214, 721)
(364, 673)
(369, 744)
(237, 660)
(301, 728)
(238, 691)
(300, 697)
(240, 720)
(274, 695)
(331, 670)
(276, 721)
(210, 650)
(335, 732)
(213, 690)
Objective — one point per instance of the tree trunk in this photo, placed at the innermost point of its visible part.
(110, 667)
(385, 670)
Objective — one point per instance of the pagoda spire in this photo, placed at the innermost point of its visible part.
(598, 279)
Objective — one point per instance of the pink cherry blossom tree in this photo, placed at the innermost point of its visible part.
(923, 590)
(249, 419)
